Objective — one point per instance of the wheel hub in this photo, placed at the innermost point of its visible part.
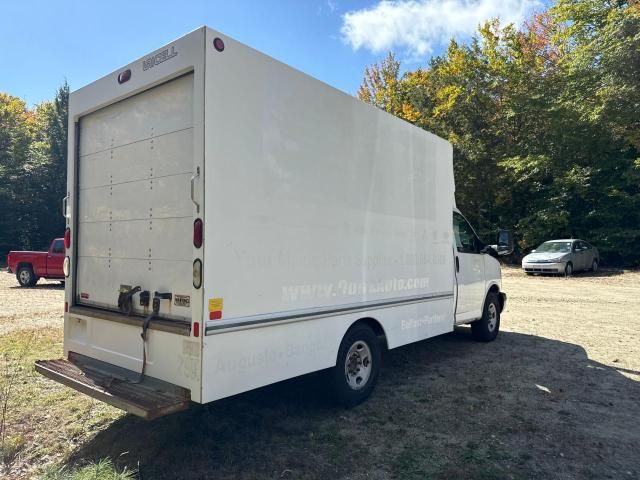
(357, 367)
(492, 317)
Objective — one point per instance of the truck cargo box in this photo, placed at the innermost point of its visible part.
(245, 218)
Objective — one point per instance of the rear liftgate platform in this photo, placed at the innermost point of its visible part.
(148, 398)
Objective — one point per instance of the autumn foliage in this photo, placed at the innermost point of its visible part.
(544, 120)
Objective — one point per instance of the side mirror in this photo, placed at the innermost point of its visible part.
(505, 242)
(490, 250)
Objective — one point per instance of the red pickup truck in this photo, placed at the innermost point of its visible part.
(31, 266)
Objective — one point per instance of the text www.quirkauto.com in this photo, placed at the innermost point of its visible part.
(344, 288)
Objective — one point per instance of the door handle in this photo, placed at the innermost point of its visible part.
(457, 264)
(64, 206)
(193, 187)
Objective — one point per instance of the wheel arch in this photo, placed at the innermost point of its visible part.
(494, 288)
(374, 325)
(20, 265)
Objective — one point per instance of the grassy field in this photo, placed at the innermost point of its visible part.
(555, 396)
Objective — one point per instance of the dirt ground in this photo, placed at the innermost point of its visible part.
(556, 396)
(24, 309)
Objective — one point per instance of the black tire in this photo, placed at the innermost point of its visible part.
(568, 269)
(594, 266)
(529, 273)
(486, 329)
(355, 341)
(26, 277)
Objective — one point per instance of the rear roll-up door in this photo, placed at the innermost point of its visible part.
(134, 207)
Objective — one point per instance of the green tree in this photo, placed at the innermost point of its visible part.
(15, 143)
(53, 177)
(33, 150)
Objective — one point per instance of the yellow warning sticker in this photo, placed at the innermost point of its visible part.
(215, 304)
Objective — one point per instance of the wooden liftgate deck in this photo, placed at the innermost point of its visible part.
(150, 398)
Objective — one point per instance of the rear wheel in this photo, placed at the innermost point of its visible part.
(487, 328)
(357, 367)
(594, 266)
(26, 277)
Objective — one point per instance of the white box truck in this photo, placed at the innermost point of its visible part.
(233, 222)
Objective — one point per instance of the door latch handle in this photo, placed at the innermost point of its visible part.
(64, 207)
(457, 264)
(193, 188)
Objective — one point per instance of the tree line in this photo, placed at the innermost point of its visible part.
(544, 120)
(33, 166)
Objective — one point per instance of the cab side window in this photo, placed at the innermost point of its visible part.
(466, 240)
(58, 247)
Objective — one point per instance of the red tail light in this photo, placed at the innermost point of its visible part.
(67, 238)
(66, 306)
(197, 233)
(196, 329)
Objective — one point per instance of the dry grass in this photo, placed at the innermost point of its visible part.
(45, 422)
(556, 396)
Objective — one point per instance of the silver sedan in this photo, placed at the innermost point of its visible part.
(562, 256)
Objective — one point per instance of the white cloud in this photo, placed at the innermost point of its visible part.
(417, 26)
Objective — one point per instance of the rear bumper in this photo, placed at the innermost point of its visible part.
(150, 398)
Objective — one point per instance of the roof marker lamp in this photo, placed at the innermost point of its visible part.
(124, 76)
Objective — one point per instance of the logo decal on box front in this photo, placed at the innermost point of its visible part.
(158, 58)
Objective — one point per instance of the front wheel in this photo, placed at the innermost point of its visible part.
(357, 367)
(594, 266)
(568, 269)
(487, 328)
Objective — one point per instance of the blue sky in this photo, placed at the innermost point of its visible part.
(46, 41)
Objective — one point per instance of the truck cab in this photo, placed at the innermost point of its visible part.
(478, 276)
(30, 266)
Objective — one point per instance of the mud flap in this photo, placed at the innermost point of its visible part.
(503, 301)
